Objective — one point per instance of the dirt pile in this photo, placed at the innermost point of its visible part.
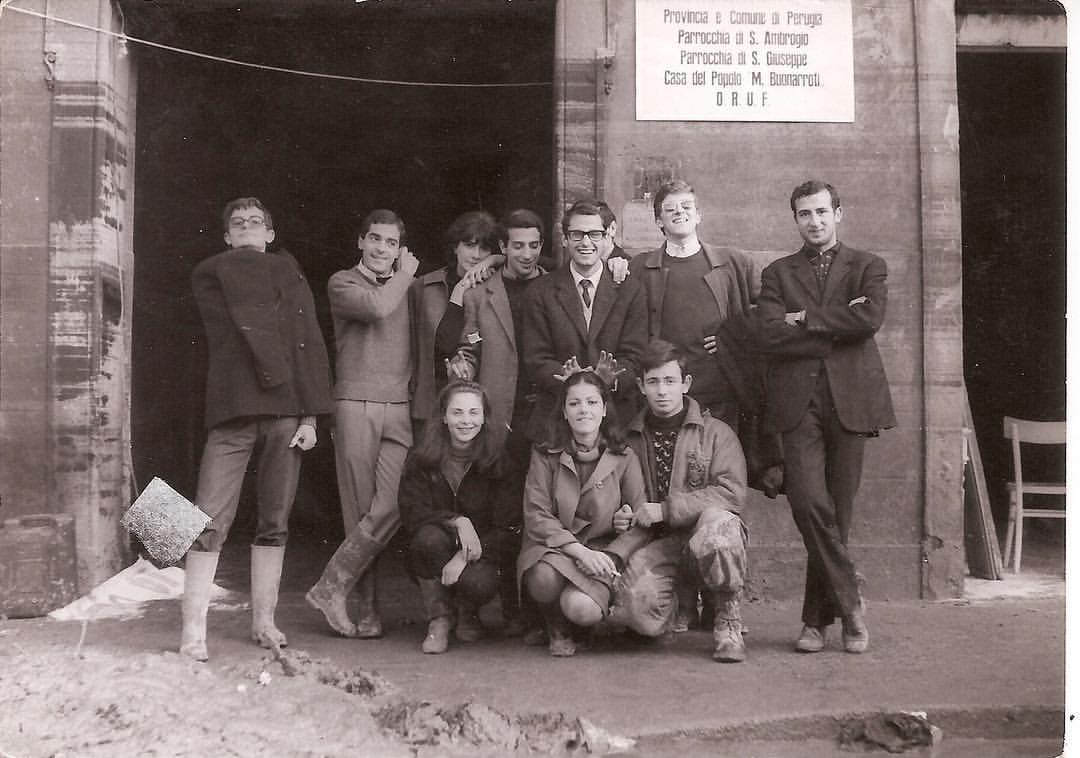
(469, 728)
(287, 704)
(60, 704)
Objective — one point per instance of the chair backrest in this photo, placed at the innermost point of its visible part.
(1036, 432)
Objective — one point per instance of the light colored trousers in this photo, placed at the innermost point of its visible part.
(645, 596)
(370, 444)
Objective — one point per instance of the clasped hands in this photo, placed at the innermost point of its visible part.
(645, 516)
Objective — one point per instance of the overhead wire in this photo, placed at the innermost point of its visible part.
(7, 5)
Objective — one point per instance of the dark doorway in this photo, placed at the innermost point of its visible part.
(320, 153)
(1012, 175)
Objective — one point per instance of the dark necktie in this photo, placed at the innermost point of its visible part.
(585, 296)
(821, 267)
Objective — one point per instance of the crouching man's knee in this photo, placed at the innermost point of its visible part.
(718, 547)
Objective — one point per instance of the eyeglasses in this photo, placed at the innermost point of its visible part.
(577, 235)
(240, 223)
(686, 205)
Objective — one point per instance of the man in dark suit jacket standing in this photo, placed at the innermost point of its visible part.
(578, 316)
(826, 393)
(268, 379)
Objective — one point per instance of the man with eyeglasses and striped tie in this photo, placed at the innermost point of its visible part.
(578, 317)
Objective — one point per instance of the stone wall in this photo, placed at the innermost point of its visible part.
(896, 168)
(65, 399)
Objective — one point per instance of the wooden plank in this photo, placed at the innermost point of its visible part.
(980, 535)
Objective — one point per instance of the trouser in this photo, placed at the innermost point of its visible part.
(370, 444)
(645, 596)
(225, 458)
(434, 545)
(822, 468)
(518, 451)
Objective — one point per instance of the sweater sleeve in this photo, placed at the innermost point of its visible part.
(357, 300)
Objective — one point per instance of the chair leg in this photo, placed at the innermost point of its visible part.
(1018, 546)
(1010, 530)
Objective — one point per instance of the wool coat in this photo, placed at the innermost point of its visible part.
(266, 351)
(837, 337)
(428, 299)
(489, 498)
(732, 280)
(488, 314)
(556, 505)
(707, 468)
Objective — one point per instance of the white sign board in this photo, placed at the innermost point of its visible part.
(745, 60)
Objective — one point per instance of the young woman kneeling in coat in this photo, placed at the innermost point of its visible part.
(572, 556)
(461, 513)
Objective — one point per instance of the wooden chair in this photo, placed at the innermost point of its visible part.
(1039, 433)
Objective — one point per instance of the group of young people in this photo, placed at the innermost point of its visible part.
(584, 437)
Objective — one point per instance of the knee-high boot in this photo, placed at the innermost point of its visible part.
(348, 564)
(369, 625)
(199, 570)
(437, 607)
(266, 561)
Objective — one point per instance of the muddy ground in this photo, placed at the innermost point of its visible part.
(91, 703)
(988, 671)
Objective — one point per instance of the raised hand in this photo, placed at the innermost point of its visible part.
(481, 271)
(407, 262)
(569, 368)
(607, 368)
(459, 367)
(619, 268)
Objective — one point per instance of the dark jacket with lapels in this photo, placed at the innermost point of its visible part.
(266, 351)
(837, 337)
(555, 330)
